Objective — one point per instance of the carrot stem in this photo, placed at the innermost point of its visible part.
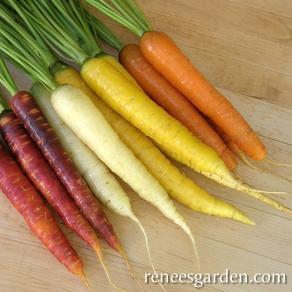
(125, 12)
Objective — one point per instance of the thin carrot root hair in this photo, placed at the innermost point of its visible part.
(195, 248)
(100, 257)
(270, 202)
(188, 231)
(85, 281)
(244, 158)
(263, 170)
(269, 192)
(234, 183)
(130, 268)
(270, 161)
(135, 219)
(273, 162)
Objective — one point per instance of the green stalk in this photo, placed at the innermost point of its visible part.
(103, 32)
(63, 25)
(125, 12)
(36, 45)
(42, 15)
(23, 49)
(7, 81)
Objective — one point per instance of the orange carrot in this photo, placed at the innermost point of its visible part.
(163, 54)
(168, 59)
(168, 97)
(24, 197)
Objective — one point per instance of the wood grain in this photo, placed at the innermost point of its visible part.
(245, 48)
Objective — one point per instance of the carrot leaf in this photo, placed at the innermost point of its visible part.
(64, 27)
(20, 47)
(125, 12)
(103, 32)
(10, 16)
(6, 79)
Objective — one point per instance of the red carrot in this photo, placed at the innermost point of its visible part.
(168, 97)
(40, 131)
(43, 177)
(24, 197)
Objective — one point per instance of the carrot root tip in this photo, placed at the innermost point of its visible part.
(242, 218)
(100, 257)
(84, 279)
(278, 163)
(129, 267)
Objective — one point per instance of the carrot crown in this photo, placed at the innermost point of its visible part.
(23, 49)
(64, 25)
(125, 12)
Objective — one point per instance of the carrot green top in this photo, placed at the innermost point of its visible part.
(103, 32)
(26, 50)
(29, 28)
(125, 12)
(63, 25)
(6, 79)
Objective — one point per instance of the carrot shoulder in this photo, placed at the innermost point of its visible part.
(24, 197)
(168, 59)
(40, 131)
(168, 97)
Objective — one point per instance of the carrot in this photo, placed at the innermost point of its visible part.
(184, 76)
(161, 51)
(93, 129)
(47, 141)
(25, 199)
(40, 131)
(99, 178)
(168, 97)
(130, 101)
(177, 184)
(44, 179)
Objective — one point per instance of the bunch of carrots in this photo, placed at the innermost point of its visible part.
(75, 130)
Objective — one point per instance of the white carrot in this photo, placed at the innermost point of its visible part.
(97, 175)
(80, 114)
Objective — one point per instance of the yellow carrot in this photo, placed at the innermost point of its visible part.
(135, 106)
(176, 183)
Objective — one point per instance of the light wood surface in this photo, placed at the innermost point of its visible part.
(245, 48)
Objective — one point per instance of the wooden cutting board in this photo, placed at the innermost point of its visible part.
(245, 48)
